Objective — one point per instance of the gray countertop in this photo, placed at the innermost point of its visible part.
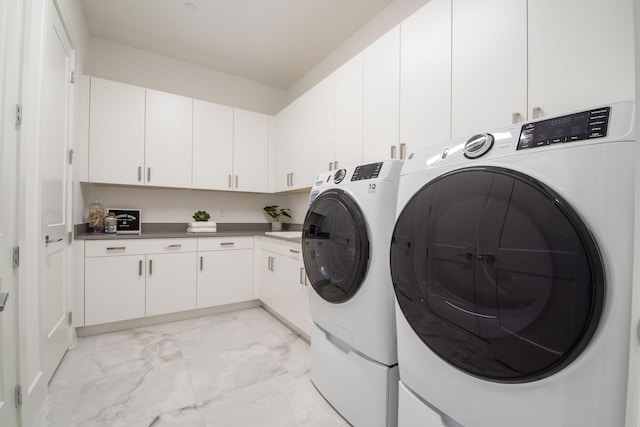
(178, 231)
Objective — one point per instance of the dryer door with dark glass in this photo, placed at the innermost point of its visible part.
(497, 274)
(335, 246)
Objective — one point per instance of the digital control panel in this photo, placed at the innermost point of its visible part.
(570, 128)
(369, 171)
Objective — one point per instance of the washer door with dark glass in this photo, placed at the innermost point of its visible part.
(497, 274)
(335, 246)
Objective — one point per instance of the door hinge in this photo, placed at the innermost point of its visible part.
(70, 156)
(16, 256)
(70, 318)
(72, 77)
(18, 114)
(18, 396)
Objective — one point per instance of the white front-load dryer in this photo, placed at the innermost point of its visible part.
(346, 238)
(511, 261)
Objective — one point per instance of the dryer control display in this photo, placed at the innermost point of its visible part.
(370, 171)
(573, 127)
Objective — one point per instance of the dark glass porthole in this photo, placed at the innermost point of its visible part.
(497, 274)
(335, 246)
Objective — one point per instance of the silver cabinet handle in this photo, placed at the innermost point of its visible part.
(269, 263)
(302, 276)
(288, 179)
(393, 151)
(229, 180)
(403, 151)
(330, 166)
(148, 174)
(174, 246)
(227, 243)
(294, 251)
(48, 240)
(139, 173)
(201, 263)
(335, 164)
(515, 118)
(292, 179)
(150, 267)
(536, 112)
(236, 181)
(116, 248)
(3, 301)
(140, 268)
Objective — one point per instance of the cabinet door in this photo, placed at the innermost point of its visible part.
(171, 283)
(212, 146)
(251, 151)
(489, 64)
(168, 143)
(324, 125)
(267, 289)
(301, 165)
(116, 133)
(581, 54)
(301, 289)
(225, 277)
(349, 84)
(425, 77)
(381, 106)
(114, 288)
(282, 149)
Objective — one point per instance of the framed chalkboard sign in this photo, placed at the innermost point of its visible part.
(128, 221)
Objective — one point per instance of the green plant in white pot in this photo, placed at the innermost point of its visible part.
(276, 212)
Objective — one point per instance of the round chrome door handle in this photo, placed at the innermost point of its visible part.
(478, 145)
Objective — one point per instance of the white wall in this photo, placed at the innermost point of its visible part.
(126, 64)
(388, 18)
(178, 205)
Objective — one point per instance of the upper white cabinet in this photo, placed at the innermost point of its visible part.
(381, 103)
(425, 77)
(116, 133)
(212, 146)
(581, 54)
(168, 139)
(294, 145)
(324, 125)
(489, 64)
(349, 98)
(250, 151)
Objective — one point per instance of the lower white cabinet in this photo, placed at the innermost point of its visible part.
(114, 288)
(283, 282)
(129, 279)
(225, 270)
(171, 283)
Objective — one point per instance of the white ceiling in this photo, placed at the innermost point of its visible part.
(274, 42)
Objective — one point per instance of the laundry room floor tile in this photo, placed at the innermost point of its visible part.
(242, 368)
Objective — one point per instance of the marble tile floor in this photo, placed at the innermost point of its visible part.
(242, 368)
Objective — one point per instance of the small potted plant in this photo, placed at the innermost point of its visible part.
(276, 212)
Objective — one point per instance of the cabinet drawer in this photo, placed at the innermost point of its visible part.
(224, 243)
(281, 247)
(138, 247)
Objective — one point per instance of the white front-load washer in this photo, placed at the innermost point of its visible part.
(346, 238)
(511, 261)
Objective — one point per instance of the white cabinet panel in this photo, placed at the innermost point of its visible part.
(349, 96)
(212, 146)
(251, 151)
(116, 133)
(168, 139)
(301, 165)
(425, 77)
(581, 54)
(171, 283)
(114, 288)
(225, 277)
(489, 64)
(381, 106)
(324, 125)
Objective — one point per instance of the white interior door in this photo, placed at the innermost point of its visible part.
(9, 65)
(54, 193)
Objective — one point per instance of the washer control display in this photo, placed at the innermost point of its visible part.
(573, 127)
(369, 171)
